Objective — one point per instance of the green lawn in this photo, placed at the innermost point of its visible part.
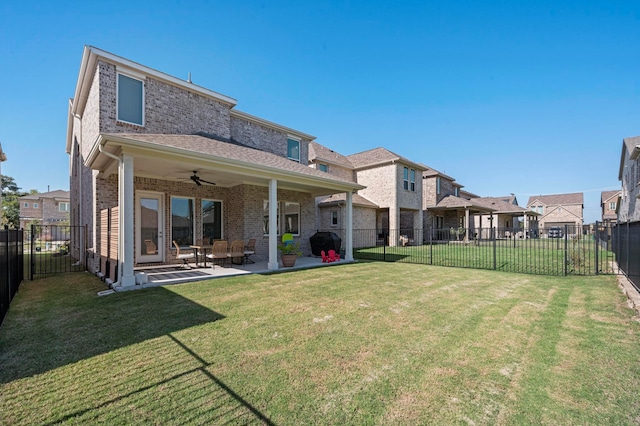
(532, 256)
(367, 343)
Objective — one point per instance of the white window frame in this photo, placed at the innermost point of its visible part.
(265, 218)
(412, 180)
(65, 204)
(133, 76)
(284, 216)
(293, 139)
(35, 205)
(221, 216)
(26, 205)
(193, 219)
(612, 205)
(405, 178)
(334, 218)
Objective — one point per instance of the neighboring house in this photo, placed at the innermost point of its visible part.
(157, 158)
(558, 210)
(393, 184)
(48, 208)
(629, 175)
(447, 207)
(505, 218)
(609, 205)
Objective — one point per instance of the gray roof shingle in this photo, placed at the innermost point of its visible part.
(558, 199)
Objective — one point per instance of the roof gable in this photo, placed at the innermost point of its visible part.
(318, 152)
(557, 199)
(378, 157)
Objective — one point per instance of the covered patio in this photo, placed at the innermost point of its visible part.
(258, 194)
(152, 276)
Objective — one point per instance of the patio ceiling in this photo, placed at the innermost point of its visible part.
(176, 157)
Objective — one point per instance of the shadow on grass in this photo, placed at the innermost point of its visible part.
(55, 327)
(58, 322)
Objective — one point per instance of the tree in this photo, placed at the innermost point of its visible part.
(10, 203)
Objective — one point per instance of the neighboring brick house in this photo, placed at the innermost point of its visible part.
(144, 144)
(47, 208)
(505, 218)
(558, 210)
(629, 175)
(609, 205)
(447, 207)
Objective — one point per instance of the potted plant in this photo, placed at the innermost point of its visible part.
(289, 253)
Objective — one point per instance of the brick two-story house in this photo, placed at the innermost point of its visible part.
(154, 157)
(629, 176)
(559, 210)
(47, 208)
(609, 206)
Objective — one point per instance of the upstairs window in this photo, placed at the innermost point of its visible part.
(323, 167)
(293, 149)
(612, 205)
(405, 178)
(457, 192)
(26, 205)
(412, 180)
(438, 185)
(130, 100)
(35, 205)
(63, 207)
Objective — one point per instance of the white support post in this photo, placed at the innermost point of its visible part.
(466, 224)
(126, 217)
(348, 250)
(273, 225)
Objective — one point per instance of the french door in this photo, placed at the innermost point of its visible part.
(149, 227)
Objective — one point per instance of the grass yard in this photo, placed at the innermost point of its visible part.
(532, 256)
(366, 343)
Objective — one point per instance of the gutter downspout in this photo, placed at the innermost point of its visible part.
(83, 242)
(120, 215)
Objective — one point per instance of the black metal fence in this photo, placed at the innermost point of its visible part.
(554, 251)
(55, 248)
(11, 267)
(626, 245)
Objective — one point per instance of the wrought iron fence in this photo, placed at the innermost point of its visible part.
(626, 245)
(56, 248)
(11, 267)
(552, 251)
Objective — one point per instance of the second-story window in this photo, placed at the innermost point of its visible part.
(612, 205)
(412, 180)
(63, 207)
(323, 167)
(293, 149)
(438, 185)
(130, 100)
(457, 192)
(35, 205)
(26, 205)
(405, 178)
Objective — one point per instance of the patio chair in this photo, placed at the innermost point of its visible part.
(218, 252)
(333, 256)
(325, 258)
(287, 239)
(236, 252)
(183, 256)
(151, 247)
(249, 249)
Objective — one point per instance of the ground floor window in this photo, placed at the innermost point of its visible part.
(292, 218)
(334, 218)
(211, 220)
(265, 218)
(182, 220)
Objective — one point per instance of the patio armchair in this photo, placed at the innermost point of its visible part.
(236, 251)
(183, 256)
(219, 252)
(333, 256)
(249, 249)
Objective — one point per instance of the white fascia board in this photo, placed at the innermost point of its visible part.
(249, 168)
(270, 124)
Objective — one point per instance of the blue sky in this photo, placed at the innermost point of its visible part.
(526, 97)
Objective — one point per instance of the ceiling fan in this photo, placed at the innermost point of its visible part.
(198, 180)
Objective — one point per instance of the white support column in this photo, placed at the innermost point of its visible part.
(349, 234)
(126, 217)
(273, 225)
(466, 225)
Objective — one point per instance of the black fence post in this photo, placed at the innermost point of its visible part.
(494, 238)
(32, 249)
(431, 246)
(596, 239)
(566, 249)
